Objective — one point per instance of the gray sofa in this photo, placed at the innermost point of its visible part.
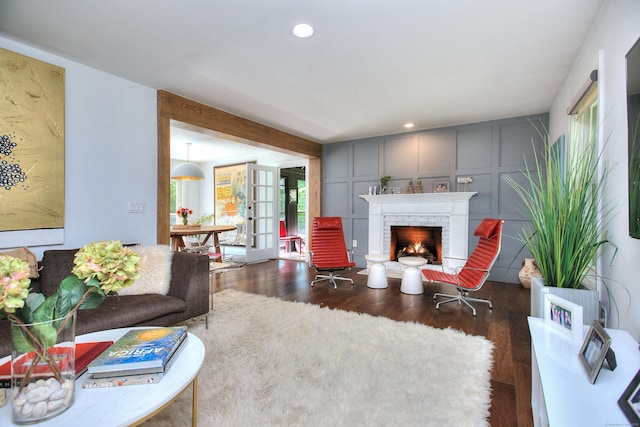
(188, 297)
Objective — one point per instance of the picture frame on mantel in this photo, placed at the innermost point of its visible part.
(441, 187)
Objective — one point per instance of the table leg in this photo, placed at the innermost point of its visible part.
(176, 243)
(194, 408)
(216, 243)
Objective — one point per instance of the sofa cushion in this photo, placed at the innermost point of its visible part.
(155, 271)
(121, 312)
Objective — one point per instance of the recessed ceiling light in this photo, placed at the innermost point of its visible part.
(302, 30)
(408, 125)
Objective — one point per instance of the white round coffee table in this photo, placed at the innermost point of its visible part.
(377, 278)
(127, 405)
(412, 276)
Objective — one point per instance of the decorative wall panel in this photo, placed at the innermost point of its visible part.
(474, 148)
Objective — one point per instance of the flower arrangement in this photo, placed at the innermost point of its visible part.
(100, 269)
(184, 214)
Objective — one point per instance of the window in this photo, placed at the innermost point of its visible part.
(584, 112)
(172, 202)
(302, 206)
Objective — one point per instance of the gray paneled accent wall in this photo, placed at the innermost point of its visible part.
(485, 151)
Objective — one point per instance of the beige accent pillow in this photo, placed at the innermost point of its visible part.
(26, 255)
(155, 271)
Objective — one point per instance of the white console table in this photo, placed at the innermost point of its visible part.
(561, 394)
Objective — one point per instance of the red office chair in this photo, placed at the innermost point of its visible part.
(475, 272)
(328, 250)
(289, 239)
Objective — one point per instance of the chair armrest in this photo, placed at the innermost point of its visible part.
(190, 281)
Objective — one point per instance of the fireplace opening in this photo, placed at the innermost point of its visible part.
(425, 242)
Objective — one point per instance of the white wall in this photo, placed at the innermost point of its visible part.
(110, 155)
(614, 33)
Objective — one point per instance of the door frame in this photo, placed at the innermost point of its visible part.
(174, 107)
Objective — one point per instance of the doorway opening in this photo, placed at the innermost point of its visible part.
(293, 212)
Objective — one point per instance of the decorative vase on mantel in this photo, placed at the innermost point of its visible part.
(529, 270)
(42, 379)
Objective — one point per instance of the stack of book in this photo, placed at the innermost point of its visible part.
(141, 356)
(85, 352)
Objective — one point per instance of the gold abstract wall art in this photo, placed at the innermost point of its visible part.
(31, 143)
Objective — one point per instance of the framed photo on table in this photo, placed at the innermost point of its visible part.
(594, 350)
(563, 316)
(629, 402)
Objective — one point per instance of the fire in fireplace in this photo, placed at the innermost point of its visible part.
(425, 242)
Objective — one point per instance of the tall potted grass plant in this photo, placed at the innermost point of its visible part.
(566, 216)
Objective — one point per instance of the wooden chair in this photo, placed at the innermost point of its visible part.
(289, 239)
(475, 272)
(328, 250)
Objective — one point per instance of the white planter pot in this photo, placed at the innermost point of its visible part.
(587, 298)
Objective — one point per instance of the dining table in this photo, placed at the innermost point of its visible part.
(178, 233)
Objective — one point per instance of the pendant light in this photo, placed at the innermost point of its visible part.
(187, 171)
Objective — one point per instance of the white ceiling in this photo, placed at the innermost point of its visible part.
(370, 66)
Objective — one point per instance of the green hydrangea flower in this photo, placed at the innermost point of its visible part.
(14, 283)
(112, 265)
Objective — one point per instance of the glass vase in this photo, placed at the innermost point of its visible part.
(42, 376)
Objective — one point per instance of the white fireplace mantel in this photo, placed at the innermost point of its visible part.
(448, 210)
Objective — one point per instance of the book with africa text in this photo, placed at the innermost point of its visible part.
(139, 351)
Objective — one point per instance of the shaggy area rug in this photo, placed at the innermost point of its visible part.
(275, 363)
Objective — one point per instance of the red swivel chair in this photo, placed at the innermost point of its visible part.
(328, 250)
(289, 239)
(475, 272)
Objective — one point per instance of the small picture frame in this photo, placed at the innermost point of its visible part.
(629, 402)
(563, 316)
(394, 190)
(594, 350)
(441, 187)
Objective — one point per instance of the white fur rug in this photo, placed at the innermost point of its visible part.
(275, 363)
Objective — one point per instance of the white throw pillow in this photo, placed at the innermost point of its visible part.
(155, 271)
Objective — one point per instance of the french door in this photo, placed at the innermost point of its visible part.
(262, 229)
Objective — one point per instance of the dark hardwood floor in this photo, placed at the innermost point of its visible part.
(505, 325)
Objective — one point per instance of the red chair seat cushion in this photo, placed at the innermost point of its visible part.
(440, 276)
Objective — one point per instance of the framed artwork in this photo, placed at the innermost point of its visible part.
(32, 137)
(594, 350)
(230, 193)
(563, 316)
(441, 187)
(394, 190)
(629, 402)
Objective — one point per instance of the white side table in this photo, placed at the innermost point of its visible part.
(412, 276)
(561, 394)
(377, 271)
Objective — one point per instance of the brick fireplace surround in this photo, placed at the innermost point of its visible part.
(447, 210)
